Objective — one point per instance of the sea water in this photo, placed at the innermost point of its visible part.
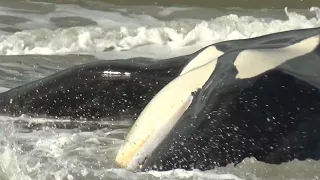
(39, 39)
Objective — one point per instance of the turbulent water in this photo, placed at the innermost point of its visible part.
(38, 39)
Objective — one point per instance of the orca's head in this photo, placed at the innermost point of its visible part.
(182, 105)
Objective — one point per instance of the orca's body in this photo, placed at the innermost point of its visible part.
(256, 97)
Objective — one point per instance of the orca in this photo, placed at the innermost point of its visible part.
(258, 98)
(230, 100)
(117, 89)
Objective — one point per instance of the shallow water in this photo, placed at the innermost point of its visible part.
(38, 39)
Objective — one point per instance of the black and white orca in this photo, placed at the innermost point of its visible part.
(246, 98)
(255, 97)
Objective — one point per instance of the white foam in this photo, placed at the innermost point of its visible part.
(71, 154)
(180, 173)
(61, 154)
(179, 35)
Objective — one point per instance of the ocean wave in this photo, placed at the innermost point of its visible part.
(175, 35)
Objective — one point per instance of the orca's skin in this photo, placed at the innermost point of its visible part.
(272, 115)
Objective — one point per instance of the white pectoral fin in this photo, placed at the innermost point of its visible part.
(161, 115)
